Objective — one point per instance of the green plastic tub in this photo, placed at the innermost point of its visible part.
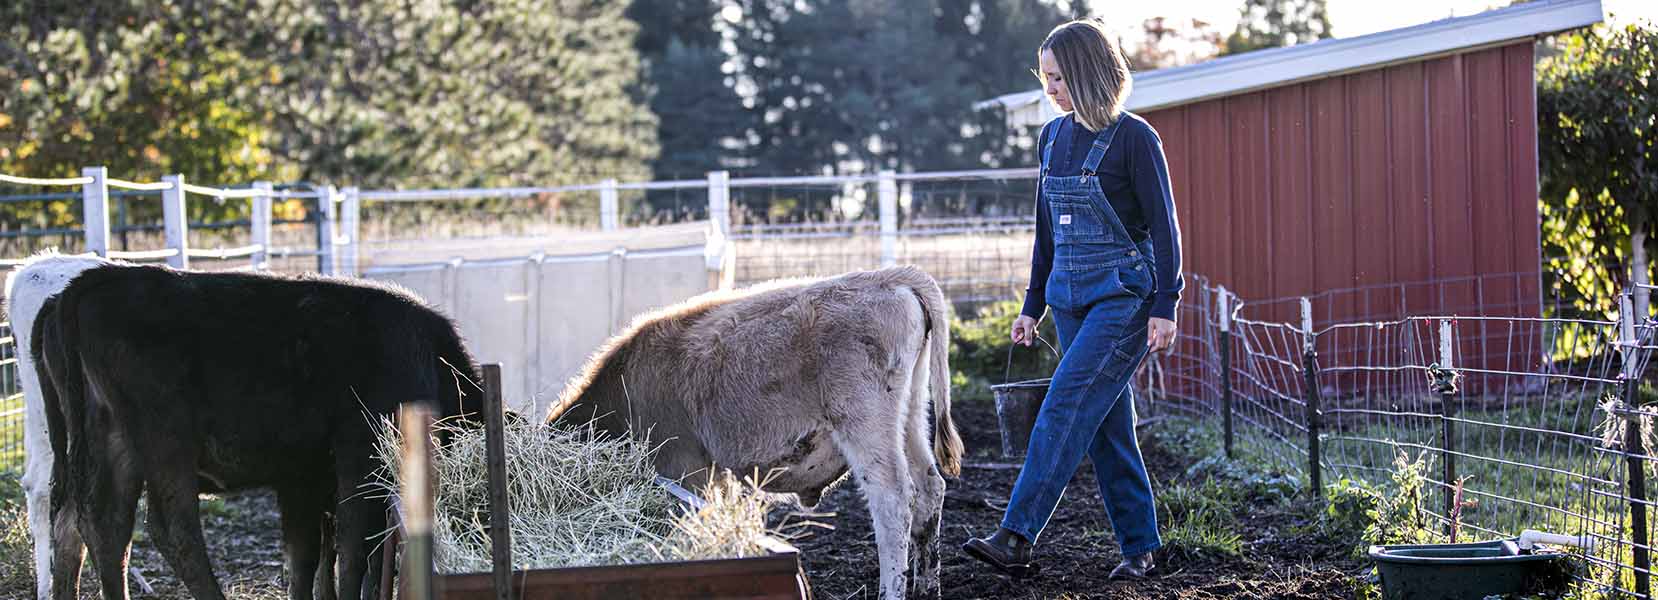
(1464, 571)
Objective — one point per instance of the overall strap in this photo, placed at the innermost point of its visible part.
(1048, 147)
(1102, 142)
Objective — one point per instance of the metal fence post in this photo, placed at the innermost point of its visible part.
(177, 221)
(260, 222)
(326, 253)
(1634, 450)
(95, 209)
(1309, 361)
(887, 190)
(1447, 412)
(608, 210)
(350, 231)
(1225, 303)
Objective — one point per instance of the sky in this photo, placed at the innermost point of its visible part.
(1348, 18)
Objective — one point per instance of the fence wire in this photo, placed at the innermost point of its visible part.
(1546, 426)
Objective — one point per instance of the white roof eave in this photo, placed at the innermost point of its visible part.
(1262, 69)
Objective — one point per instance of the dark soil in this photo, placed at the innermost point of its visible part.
(1077, 551)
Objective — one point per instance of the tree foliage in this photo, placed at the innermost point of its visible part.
(1597, 106)
(1278, 23)
(377, 93)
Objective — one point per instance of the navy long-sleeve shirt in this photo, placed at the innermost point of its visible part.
(1135, 178)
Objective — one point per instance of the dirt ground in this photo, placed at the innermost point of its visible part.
(1077, 550)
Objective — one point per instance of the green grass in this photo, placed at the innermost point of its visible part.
(11, 433)
(1516, 476)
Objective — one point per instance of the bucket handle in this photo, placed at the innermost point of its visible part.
(1008, 370)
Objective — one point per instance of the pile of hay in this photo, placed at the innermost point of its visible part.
(577, 498)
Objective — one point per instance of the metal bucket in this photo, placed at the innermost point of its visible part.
(1017, 404)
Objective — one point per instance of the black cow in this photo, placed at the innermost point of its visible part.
(178, 383)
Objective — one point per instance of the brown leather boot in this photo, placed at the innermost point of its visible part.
(1007, 551)
(1134, 567)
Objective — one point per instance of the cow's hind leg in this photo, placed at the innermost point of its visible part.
(872, 442)
(104, 511)
(67, 552)
(357, 517)
(175, 521)
(928, 506)
(302, 510)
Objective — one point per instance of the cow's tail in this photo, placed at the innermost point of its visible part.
(946, 440)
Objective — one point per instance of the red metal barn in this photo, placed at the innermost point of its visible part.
(1403, 163)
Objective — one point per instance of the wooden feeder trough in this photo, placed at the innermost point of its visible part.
(776, 576)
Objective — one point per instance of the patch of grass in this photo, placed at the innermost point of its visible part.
(16, 549)
(979, 346)
(1199, 520)
(214, 506)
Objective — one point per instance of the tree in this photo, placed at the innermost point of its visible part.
(1278, 23)
(110, 84)
(375, 93)
(701, 122)
(1165, 44)
(1597, 103)
(453, 93)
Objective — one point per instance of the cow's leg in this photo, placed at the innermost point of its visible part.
(105, 507)
(873, 444)
(67, 552)
(302, 522)
(175, 520)
(357, 517)
(325, 582)
(928, 504)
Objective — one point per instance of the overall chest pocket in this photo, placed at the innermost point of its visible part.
(1076, 221)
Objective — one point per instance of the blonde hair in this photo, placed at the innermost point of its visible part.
(1095, 72)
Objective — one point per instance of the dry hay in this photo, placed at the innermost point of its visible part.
(577, 498)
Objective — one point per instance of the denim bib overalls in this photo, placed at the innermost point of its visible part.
(1100, 294)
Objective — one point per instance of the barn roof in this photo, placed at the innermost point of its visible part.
(1263, 69)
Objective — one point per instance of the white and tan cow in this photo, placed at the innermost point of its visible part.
(27, 289)
(813, 377)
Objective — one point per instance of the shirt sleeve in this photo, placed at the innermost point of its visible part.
(1150, 172)
(1042, 252)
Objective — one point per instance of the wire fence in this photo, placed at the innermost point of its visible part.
(1543, 422)
(1330, 386)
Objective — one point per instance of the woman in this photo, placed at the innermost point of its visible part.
(1107, 261)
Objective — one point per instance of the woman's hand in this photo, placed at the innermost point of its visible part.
(1024, 330)
(1159, 334)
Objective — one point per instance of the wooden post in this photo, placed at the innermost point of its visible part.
(500, 534)
(887, 189)
(415, 423)
(350, 231)
(260, 219)
(327, 213)
(177, 221)
(608, 209)
(95, 209)
(719, 201)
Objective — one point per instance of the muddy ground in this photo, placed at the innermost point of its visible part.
(1284, 555)
(1077, 551)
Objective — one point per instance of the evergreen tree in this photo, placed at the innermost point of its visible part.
(1277, 23)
